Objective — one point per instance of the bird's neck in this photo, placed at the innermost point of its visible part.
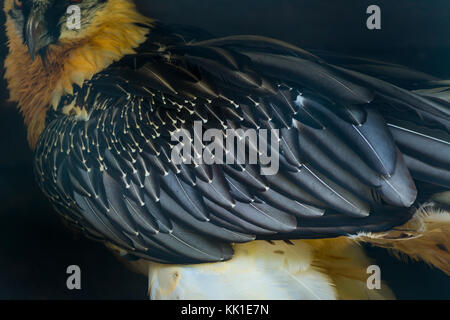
(37, 86)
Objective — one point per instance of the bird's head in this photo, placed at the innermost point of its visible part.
(54, 44)
(41, 23)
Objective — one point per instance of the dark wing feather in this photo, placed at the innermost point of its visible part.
(340, 168)
(391, 72)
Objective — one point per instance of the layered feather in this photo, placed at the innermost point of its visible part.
(341, 171)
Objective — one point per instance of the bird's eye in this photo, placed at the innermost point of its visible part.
(18, 3)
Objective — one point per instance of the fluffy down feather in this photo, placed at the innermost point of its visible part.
(425, 237)
(304, 269)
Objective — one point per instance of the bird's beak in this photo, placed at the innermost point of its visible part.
(36, 35)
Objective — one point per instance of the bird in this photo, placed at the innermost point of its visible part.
(363, 149)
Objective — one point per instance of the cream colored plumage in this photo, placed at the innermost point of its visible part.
(425, 237)
(259, 270)
(302, 270)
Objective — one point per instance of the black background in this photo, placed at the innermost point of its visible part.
(35, 247)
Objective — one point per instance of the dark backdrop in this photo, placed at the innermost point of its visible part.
(35, 248)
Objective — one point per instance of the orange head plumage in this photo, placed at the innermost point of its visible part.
(47, 57)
